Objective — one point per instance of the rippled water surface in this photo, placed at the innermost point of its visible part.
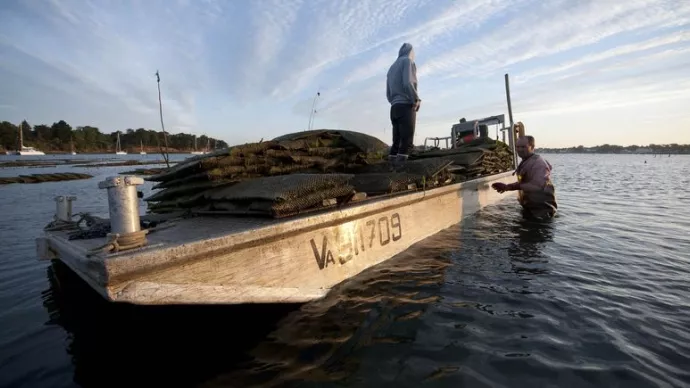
(599, 296)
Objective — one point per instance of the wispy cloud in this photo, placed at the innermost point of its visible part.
(682, 36)
(238, 70)
(456, 21)
(272, 22)
(556, 27)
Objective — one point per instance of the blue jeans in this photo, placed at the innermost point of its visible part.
(403, 118)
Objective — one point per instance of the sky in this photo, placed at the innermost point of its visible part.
(581, 72)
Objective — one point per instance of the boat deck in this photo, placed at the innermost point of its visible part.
(231, 259)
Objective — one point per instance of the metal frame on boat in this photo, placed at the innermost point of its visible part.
(235, 260)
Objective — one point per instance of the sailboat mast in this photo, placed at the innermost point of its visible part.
(165, 135)
(20, 137)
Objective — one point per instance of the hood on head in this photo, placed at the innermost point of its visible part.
(406, 50)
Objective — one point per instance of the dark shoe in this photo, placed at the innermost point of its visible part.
(391, 162)
(399, 162)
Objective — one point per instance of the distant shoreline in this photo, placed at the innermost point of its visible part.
(610, 153)
(612, 149)
(61, 139)
(128, 153)
(68, 153)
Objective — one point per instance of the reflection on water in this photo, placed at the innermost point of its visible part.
(373, 329)
(526, 252)
(329, 340)
(126, 345)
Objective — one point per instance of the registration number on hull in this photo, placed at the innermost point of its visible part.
(370, 234)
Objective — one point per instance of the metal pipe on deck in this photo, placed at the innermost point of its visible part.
(510, 117)
(63, 207)
(123, 203)
(520, 129)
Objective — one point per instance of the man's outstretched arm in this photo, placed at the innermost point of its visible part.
(539, 175)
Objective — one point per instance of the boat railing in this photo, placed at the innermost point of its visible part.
(437, 142)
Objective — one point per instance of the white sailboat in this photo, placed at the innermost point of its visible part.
(141, 145)
(118, 146)
(195, 152)
(71, 146)
(23, 150)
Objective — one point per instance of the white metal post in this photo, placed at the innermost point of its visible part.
(123, 203)
(63, 207)
(511, 138)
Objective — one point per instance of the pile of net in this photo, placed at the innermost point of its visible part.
(311, 170)
(480, 157)
(280, 177)
(276, 196)
(40, 178)
(378, 179)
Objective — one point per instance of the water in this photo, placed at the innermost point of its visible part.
(152, 156)
(597, 297)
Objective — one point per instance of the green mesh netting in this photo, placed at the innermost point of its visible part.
(476, 158)
(278, 188)
(385, 183)
(361, 141)
(277, 196)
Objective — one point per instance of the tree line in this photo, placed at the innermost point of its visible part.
(617, 149)
(61, 137)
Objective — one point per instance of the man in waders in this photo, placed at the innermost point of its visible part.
(537, 194)
(401, 91)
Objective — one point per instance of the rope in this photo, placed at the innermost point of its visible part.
(116, 242)
(121, 242)
(57, 225)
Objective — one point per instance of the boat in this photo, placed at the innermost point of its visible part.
(28, 151)
(71, 145)
(197, 152)
(224, 259)
(23, 150)
(141, 145)
(118, 146)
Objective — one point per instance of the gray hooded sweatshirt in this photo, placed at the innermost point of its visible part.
(401, 86)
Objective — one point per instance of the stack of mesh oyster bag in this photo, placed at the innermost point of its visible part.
(480, 157)
(280, 177)
(290, 174)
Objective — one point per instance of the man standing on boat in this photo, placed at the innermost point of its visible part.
(401, 91)
(537, 194)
